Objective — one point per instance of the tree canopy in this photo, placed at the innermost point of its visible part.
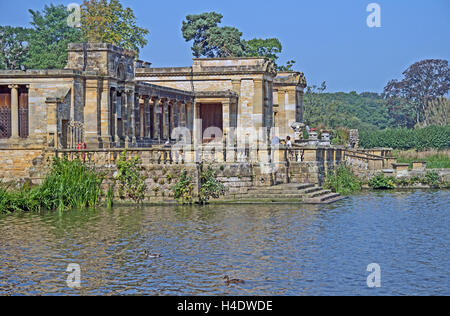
(51, 36)
(211, 40)
(423, 82)
(13, 46)
(109, 22)
(269, 47)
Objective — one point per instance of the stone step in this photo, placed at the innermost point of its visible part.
(318, 193)
(266, 196)
(290, 186)
(325, 199)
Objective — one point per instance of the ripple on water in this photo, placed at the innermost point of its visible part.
(279, 250)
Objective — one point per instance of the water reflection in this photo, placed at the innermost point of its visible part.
(278, 249)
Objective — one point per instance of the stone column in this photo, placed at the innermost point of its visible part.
(166, 121)
(197, 132)
(92, 117)
(258, 104)
(14, 110)
(142, 119)
(156, 122)
(226, 117)
(134, 101)
(126, 117)
(147, 118)
(183, 122)
(115, 127)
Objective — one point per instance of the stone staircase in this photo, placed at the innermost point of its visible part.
(291, 193)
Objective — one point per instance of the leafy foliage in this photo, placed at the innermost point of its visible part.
(130, 180)
(381, 182)
(196, 28)
(342, 181)
(183, 189)
(423, 82)
(432, 137)
(211, 188)
(438, 112)
(109, 22)
(288, 67)
(51, 36)
(13, 46)
(350, 110)
(211, 40)
(269, 48)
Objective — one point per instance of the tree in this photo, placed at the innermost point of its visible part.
(288, 67)
(211, 40)
(195, 29)
(51, 36)
(225, 42)
(423, 82)
(269, 48)
(13, 46)
(438, 112)
(109, 22)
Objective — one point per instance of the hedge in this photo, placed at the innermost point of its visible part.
(432, 137)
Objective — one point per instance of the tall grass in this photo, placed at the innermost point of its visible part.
(69, 184)
(434, 159)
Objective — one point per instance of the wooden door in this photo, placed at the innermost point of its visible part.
(212, 116)
(5, 112)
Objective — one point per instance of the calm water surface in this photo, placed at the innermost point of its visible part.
(278, 249)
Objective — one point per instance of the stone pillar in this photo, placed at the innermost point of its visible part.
(52, 122)
(92, 117)
(126, 117)
(14, 110)
(156, 122)
(183, 122)
(115, 121)
(226, 118)
(147, 117)
(166, 121)
(300, 110)
(197, 132)
(142, 119)
(134, 103)
(258, 104)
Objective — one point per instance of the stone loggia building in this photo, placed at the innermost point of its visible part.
(227, 112)
(106, 99)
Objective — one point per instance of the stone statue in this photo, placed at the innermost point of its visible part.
(354, 138)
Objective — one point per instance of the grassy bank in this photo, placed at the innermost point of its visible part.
(435, 159)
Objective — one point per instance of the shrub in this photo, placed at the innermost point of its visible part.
(183, 189)
(342, 181)
(432, 137)
(381, 182)
(211, 188)
(131, 181)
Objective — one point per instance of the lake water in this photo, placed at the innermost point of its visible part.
(277, 249)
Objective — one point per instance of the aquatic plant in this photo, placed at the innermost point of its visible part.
(381, 182)
(342, 181)
(70, 184)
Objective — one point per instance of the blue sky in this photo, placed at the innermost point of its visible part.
(329, 39)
